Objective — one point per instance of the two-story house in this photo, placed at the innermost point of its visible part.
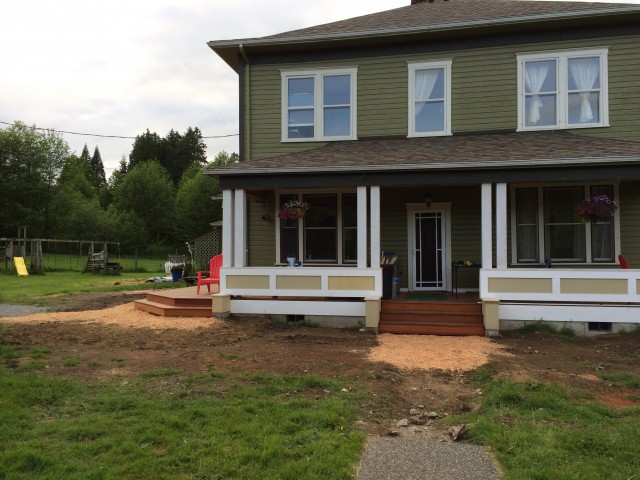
(461, 135)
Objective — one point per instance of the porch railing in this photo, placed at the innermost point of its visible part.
(561, 285)
(337, 282)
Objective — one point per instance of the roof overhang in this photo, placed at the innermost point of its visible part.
(231, 50)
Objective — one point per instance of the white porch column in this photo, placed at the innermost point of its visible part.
(374, 228)
(227, 228)
(501, 225)
(362, 227)
(487, 236)
(240, 224)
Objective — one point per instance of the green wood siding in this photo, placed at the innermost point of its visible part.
(261, 241)
(630, 222)
(484, 93)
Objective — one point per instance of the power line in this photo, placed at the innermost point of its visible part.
(110, 136)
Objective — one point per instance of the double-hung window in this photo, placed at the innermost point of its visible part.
(429, 98)
(326, 234)
(319, 105)
(545, 225)
(558, 90)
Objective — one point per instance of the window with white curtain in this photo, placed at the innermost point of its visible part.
(565, 89)
(545, 225)
(430, 98)
(319, 104)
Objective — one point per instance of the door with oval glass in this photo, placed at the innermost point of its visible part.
(428, 239)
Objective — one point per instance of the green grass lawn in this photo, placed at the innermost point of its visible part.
(543, 431)
(38, 289)
(207, 426)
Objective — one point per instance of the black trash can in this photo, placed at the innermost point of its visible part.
(387, 281)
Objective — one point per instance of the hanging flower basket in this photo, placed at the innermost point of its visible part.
(599, 208)
(293, 209)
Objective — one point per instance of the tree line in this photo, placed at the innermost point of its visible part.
(157, 198)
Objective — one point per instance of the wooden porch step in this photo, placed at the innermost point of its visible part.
(431, 318)
(165, 310)
(165, 299)
(433, 329)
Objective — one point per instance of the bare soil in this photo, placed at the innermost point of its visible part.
(113, 342)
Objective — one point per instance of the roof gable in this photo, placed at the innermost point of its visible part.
(439, 13)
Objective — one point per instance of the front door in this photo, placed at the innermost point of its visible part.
(428, 249)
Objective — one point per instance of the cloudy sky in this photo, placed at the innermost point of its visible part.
(120, 67)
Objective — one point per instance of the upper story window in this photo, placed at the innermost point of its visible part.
(319, 105)
(563, 90)
(430, 98)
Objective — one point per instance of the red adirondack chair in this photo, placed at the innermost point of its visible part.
(214, 274)
(623, 262)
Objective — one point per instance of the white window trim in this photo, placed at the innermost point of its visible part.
(541, 253)
(413, 67)
(562, 108)
(339, 227)
(318, 130)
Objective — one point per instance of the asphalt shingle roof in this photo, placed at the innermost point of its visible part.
(440, 13)
(504, 150)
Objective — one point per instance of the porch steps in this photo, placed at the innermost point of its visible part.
(431, 318)
(170, 306)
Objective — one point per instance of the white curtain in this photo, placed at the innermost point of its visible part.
(425, 83)
(535, 74)
(585, 73)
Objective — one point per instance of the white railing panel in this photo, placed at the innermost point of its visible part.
(556, 276)
(323, 274)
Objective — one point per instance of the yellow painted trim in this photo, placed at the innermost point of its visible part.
(253, 282)
(351, 283)
(520, 285)
(287, 282)
(221, 304)
(600, 286)
(372, 313)
(491, 314)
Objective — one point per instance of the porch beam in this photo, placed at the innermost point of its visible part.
(487, 234)
(240, 224)
(362, 227)
(374, 228)
(227, 228)
(501, 225)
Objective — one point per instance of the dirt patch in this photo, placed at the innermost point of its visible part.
(426, 352)
(398, 372)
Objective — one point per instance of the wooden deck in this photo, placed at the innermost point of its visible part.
(178, 302)
(454, 316)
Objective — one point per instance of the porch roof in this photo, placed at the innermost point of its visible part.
(504, 151)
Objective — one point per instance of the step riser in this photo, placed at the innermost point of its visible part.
(421, 318)
(432, 330)
(430, 307)
(179, 302)
(168, 311)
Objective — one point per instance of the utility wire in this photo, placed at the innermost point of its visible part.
(110, 136)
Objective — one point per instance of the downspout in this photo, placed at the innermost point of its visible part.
(245, 92)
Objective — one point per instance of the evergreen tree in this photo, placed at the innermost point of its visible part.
(98, 167)
(85, 155)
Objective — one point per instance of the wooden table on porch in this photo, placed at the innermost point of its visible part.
(455, 266)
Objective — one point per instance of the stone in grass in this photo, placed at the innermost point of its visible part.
(414, 412)
(432, 415)
(458, 432)
(403, 423)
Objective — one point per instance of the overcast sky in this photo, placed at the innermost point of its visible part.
(121, 67)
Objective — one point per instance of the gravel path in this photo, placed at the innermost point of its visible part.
(404, 459)
(9, 310)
